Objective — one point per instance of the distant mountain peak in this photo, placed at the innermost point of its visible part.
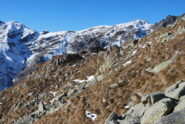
(136, 24)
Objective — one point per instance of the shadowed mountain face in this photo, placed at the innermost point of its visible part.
(63, 84)
(165, 22)
(14, 39)
(1, 23)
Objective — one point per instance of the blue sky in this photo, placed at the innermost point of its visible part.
(57, 15)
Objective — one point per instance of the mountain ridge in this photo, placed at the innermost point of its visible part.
(30, 46)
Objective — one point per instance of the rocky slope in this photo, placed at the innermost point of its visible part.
(125, 76)
(86, 87)
(156, 108)
(21, 47)
(169, 20)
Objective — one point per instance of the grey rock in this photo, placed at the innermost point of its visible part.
(180, 106)
(173, 87)
(131, 104)
(162, 65)
(138, 110)
(182, 98)
(24, 120)
(101, 77)
(17, 105)
(152, 98)
(41, 107)
(145, 99)
(174, 118)
(176, 91)
(156, 111)
(156, 108)
(131, 117)
(112, 119)
(28, 119)
(115, 85)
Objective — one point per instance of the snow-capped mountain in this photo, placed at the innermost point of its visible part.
(21, 47)
(14, 50)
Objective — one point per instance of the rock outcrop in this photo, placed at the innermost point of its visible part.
(167, 22)
(156, 108)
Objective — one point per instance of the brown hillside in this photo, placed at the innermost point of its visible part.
(51, 94)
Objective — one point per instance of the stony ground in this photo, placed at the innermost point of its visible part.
(156, 108)
(87, 87)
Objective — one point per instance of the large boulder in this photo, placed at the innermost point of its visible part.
(152, 98)
(176, 91)
(156, 108)
(156, 111)
(134, 115)
(181, 105)
(131, 117)
(174, 118)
